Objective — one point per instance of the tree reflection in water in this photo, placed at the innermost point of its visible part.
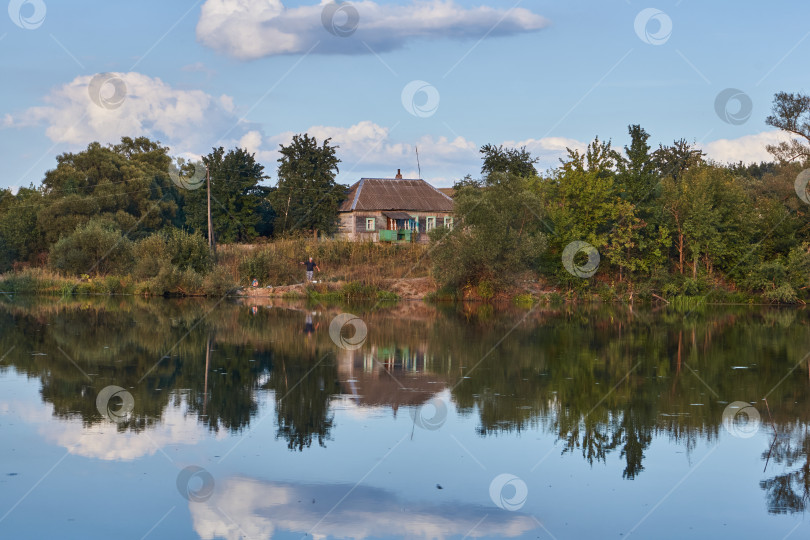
(601, 380)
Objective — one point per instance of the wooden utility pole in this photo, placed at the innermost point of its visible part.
(212, 244)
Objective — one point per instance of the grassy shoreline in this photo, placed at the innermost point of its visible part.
(42, 282)
(351, 271)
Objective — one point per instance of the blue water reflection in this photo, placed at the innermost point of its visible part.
(578, 424)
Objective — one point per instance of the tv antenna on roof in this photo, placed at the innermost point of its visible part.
(417, 161)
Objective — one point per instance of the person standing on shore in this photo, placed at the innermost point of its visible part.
(311, 267)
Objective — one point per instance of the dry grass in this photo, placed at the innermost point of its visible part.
(278, 263)
(371, 265)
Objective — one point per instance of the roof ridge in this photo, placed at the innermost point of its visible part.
(411, 194)
(438, 191)
(395, 179)
(357, 192)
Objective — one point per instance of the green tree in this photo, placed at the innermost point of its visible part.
(307, 196)
(791, 113)
(583, 203)
(20, 236)
(712, 218)
(516, 161)
(673, 161)
(125, 184)
(235, 192)
(499, 230)
(637, 179)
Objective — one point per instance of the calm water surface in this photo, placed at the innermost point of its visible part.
(125, 418)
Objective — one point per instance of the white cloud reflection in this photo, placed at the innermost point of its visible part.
(244, 507)
(104, 441)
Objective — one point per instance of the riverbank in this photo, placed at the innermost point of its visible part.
(352, 271)
(526, 293)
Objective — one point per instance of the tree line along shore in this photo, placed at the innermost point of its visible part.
(629, 224)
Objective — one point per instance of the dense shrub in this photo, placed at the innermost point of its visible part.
(93, 249)
(269, 268)
(218, 282)
(181, 250)
(497, 234)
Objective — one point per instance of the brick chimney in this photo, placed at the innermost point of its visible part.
(399, 174)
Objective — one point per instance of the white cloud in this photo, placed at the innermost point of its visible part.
(248, 29)
(192, 121)
(367, 149)
(199, 67)
(251, 141)
(187, 120)
(244, 507)
(748, 148)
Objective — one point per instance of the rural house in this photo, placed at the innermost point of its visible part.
(393, 210)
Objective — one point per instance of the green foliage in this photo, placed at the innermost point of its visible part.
(117, 285)
(445, 293)
(269, 269)
(516, 161)
(791, 114)
(20, 236)
(784, 294)
(170, 258)
(125, 184)
(235, 196)
(637, 178)
(584, 204)
(665, 222)
(498, 232)
(524, 300)
(218, 283)
(189, 251)
(94, 249)
(307, 197)
(485, 290)
(349, 292)
(780, 280)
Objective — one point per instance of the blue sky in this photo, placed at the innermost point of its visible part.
(252, 73)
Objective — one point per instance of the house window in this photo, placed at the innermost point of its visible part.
(430, 224)
(370, 223)
(448, 222)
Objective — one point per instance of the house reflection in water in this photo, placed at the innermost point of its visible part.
(389, 376)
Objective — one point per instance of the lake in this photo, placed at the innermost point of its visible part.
(132, 418)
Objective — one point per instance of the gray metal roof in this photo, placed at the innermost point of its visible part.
(395, 194)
